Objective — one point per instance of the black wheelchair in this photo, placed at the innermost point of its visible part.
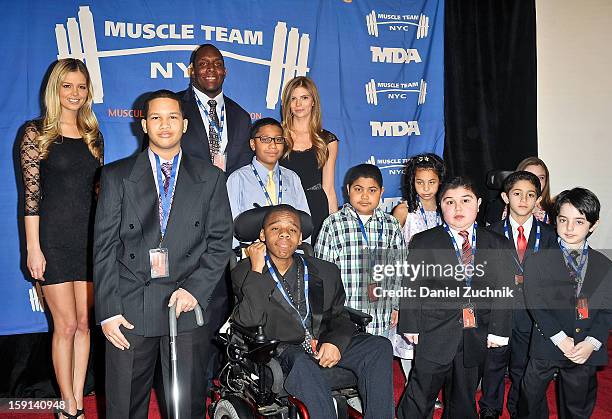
(250, 385)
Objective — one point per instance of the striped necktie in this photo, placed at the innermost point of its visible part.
(466, 249)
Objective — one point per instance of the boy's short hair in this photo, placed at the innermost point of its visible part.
(364, 170)
(457, 182)
(163, 93)
(511, 180)
(585, 201)
(260, 123)
(271, 210)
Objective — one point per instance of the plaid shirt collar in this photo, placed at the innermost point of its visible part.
(349, 211)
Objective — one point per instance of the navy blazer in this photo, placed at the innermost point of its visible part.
(237, 121)
(548, 240)
(551, 300)
(438, 320)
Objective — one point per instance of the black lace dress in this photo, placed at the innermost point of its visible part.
(60, 190)
(305, 164)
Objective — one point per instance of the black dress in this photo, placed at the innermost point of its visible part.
(60, 190)
(305, 164)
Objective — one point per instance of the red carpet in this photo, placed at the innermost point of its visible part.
(603, 409)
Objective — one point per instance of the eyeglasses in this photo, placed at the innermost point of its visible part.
(267, 140)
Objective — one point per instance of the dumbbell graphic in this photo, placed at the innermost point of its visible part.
(291, 46)
(372, 93)
(422, 25)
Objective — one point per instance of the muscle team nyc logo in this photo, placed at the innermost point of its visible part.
(77, 39)
(397, 23)
(395, 91)
(393, 166)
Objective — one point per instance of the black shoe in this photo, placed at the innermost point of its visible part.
(489, 414)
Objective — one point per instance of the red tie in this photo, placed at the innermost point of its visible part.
(521, 244)
(466, 249)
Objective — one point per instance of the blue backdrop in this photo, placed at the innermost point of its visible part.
(378, 65)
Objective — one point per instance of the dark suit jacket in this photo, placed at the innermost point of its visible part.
(198, 239)
(237, 121)
(548, 240)
(261, 303)
(551, 300)
(439, 320)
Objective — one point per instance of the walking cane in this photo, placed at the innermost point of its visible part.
(173, 360)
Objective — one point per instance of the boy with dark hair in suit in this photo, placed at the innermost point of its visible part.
(452, 331)
(299, 300)
(528, 235)
(568, 292)
(162, 237)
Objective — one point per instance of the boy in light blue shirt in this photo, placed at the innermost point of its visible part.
(264, 182)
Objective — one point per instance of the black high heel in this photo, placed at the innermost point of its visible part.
(68, 415)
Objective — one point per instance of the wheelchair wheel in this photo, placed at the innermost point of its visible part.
(232, 408)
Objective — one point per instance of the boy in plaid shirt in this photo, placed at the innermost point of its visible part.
(360, 239)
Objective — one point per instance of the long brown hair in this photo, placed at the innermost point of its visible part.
(87, 122)
(315, 127)
(546, 202)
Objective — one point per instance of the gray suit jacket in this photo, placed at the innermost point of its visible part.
(198, 239)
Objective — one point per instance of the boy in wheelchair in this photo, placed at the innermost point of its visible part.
(299, 302)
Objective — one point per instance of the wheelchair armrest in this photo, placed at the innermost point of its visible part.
(360, 318)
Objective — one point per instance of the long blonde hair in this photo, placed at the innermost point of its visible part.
(315, 127)
(546, 202)
(87, 123)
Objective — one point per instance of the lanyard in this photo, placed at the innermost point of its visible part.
(165, 197)
(545, 220)
(211, 123)
(284, 293)
(577, 269)
(510, 237)
(363, 232)
(263, 187)
(424, 216)
(458, 252)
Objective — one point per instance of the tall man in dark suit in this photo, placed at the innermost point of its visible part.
(452, 331)
(299, 300)
(568, 291)
(218, 127)
(162, 236)
(218, 131)
(521, 192)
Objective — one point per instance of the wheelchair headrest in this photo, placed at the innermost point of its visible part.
(248, 225)
(495, 179)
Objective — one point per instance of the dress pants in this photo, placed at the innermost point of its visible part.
(577, 389)
(426, 380)
(129, 374)
(515, 357)
(369, 357)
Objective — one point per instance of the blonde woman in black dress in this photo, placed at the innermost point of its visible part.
(60, 155)
(311, 150)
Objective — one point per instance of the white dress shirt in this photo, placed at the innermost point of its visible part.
(527, 225)
(206, 120)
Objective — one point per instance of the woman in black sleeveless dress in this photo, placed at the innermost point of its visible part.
(311, 150)
(60, 156)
